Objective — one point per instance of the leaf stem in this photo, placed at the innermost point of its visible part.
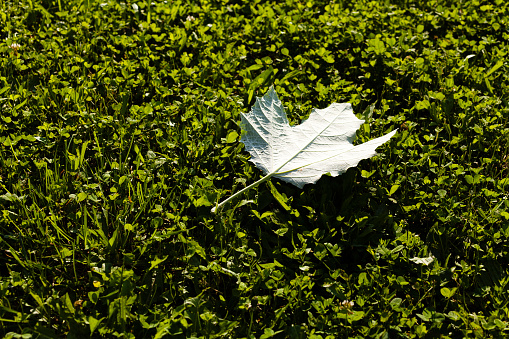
(256, 183)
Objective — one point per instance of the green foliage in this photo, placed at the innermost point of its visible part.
(119, 131)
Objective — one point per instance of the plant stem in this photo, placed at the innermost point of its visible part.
(256, 183)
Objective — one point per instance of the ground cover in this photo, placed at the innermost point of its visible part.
(119, 132)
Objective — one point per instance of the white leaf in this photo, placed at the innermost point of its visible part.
(423, 261)
(302, 154)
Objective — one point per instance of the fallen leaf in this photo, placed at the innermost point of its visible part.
(302, 154)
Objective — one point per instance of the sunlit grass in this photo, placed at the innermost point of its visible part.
(119, 132)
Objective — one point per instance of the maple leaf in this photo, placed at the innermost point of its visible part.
(302, 154)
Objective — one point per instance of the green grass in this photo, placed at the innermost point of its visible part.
(119, 132)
